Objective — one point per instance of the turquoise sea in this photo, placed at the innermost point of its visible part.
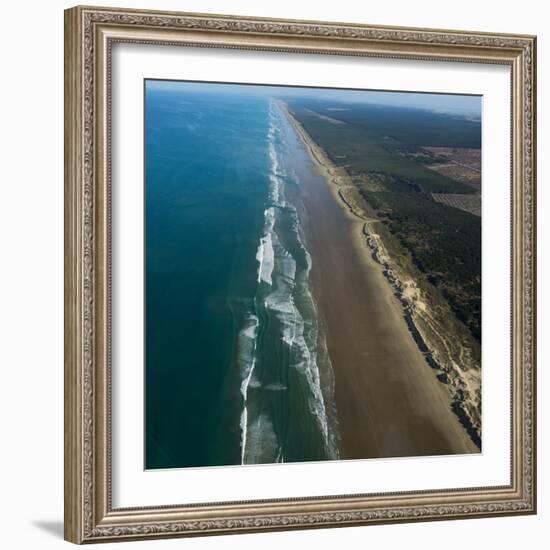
(236, 365)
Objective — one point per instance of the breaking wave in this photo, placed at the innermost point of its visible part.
(281, 347)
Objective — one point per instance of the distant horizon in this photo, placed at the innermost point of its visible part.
(453, 104)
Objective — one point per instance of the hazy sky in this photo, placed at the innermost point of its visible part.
(469, 105)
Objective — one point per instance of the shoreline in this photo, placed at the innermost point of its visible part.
(402, 356)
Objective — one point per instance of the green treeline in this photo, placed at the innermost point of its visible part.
(445, 244)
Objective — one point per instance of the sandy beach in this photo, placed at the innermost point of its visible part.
(389, 401)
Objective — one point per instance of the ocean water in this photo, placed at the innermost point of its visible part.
(236, 369)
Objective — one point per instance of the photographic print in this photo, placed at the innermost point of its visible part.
(285, 307)
(313, 274)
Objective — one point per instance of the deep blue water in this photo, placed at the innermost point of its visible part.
(234, 354)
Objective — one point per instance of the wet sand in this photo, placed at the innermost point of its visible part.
(388, 399)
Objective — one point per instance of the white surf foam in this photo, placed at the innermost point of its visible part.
(280, 301)
(278, 268)
(265, 253)
(262, 441)
(247, 341)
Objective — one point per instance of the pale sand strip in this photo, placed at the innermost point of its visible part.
(388, 399)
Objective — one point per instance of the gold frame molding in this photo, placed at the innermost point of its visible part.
(89, 35)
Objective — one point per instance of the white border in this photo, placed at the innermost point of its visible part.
(132, 486)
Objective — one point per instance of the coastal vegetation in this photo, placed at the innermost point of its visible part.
(383, 151)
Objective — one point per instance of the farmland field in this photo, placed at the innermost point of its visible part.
(468, 203)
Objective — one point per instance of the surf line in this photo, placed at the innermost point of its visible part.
(264, 256)
(265, 259)
(244, 390)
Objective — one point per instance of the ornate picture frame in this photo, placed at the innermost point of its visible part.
(90, 34)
